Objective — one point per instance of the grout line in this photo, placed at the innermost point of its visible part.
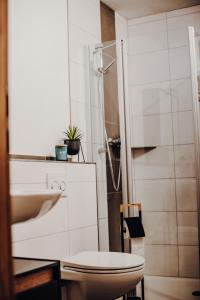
(157, 82)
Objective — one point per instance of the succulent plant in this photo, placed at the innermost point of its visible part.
(73, 133)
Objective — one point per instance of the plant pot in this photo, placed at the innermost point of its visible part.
(73, 146)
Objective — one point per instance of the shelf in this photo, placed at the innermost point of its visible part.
(143, 147)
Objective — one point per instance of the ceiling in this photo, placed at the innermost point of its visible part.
(140, 8)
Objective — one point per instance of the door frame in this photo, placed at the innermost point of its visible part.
(6, 290)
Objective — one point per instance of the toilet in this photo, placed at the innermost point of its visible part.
(101, 275)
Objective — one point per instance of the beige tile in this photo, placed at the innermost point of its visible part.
(149, 67)
(152, 130)
(161, 260)
(188, 261)
(150, 98)
(187, 228)
(186, 194)
(154, 164)
(160, 228)
(181, 93)
(184, 161)
(103, 235)
(156, 195)
(183, 127)
(179, 59)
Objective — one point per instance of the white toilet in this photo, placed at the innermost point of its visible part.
(101, 275)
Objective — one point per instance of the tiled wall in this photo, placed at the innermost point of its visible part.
(53, 85)
(71, 226)
(160, 95)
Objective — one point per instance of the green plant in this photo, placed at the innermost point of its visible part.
(73, 133)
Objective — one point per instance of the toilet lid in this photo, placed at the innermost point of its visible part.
(104, 261)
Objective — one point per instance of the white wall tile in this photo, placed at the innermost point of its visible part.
(33, 86)
(188, 261)
(151, 36)
(148, 67)
(179, 59)
(156, 195)
(186, 194)
(55, 221)
(86, 15)
(161, 260)
(184, 160)
(187, 228)
(157, 163)
(102, 199)
(79, 115)
(79, 41)
(81, 172)
(79, 83)
(84, 239)
(153, 130)
(181, 93)
(178, 37)
(150, 98)
(82, 205)
(46, 247)
(183, 127)
(160, 228)
(103, 235)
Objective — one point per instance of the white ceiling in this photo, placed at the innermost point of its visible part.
(139, 8)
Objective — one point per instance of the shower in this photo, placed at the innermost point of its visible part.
(103, 62)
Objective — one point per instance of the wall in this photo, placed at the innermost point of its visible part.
(38, 75)
(49, 72)
(160, 96)
(65, 230)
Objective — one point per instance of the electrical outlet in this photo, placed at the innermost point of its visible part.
(57, 181)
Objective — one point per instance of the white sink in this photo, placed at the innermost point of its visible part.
(26, 205)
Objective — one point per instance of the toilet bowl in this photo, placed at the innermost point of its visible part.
(101, 275)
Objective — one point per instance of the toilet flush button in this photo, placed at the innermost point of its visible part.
(58, 181)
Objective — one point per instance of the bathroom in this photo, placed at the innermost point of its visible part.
(125, 73)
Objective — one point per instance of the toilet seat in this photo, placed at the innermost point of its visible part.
(103, 263)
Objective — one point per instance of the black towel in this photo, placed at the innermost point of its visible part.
(135, 227)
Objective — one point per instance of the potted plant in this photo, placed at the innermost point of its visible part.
(73, 140)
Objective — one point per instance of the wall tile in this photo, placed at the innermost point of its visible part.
(148, 67)
(187, 228)
(103, 235)
(188, 261)
(46, 247)
(82, 205)
(150, 98)
(147, 37)
(161, 260)
(79, 41)
(156, 195)
(82, 173)
(85, 15)
(183, 127)
(84, 239)
(181, 93)
(102, 199)
(53, 222)
(157, 163)
(184, 160)
(179, 63)
(186, 194)
(153, 130)
(160, 228)
(79, 81)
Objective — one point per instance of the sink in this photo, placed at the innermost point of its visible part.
(26, 205)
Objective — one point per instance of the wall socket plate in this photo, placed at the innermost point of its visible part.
(58, 181)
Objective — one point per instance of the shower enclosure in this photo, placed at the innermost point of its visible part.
(160, 150)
